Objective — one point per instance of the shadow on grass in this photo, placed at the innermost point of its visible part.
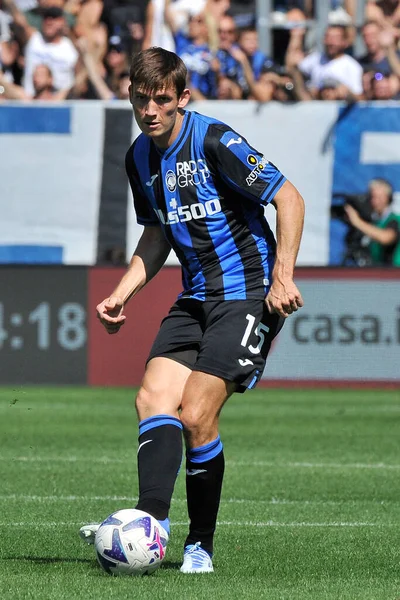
(48, 560)
(168, 564)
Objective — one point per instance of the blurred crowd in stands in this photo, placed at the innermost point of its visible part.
(81, 49)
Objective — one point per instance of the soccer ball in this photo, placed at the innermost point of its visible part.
(130, 542)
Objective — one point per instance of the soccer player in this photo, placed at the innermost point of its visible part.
(200, 188)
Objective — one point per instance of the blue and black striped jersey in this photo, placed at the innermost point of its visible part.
(207, 192)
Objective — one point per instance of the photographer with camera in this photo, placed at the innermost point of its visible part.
(384, 230)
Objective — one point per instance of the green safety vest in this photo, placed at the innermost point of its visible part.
(377, 250)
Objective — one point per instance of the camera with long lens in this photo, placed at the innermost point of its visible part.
(360, 202)
(356, 252)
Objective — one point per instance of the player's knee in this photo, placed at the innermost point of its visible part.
(150, 402)
(196, 423)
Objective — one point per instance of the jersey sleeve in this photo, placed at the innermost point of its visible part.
(145, 215)
(242, 167)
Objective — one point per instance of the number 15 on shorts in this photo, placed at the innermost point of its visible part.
(258, 331)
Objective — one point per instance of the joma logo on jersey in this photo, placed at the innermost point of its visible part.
(256, 171)
(188, 212)
(192, 172)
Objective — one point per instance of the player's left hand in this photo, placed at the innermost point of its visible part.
(284, 298)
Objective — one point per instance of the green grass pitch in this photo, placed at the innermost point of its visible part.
(310, 507)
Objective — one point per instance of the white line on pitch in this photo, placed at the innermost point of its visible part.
(51, 524)
(232, 463)
(271, 501)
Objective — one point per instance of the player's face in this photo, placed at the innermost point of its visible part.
(157, 113)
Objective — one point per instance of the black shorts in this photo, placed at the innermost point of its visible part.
(229, 339)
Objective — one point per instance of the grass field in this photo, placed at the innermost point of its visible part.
(310, 509)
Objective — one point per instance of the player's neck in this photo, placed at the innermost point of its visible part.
(166, 141)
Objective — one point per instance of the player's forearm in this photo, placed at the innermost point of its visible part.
(133, 280)
(289, 228)
(148, 258)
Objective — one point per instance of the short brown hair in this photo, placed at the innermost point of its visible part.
(157, 68)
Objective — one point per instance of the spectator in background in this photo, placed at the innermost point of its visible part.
(5, 22)
(388, 42)
(273, 82)
(49, 46)
(193, 48)
(376, 57)
(179, 11)
(43, 87)
(126, 19)
(333, 63)
(289, 10)
(384, 12)
(248, 42)
(329, 88)
(157, 32)
(90, 26)
(244, 13)
(339, 9)
(228, 89)
(230, 67)
(342, 12)
(288, 15)
(34, 16)
(384, 231)
(116, 62)
(120, 82)
(217, 8)
(276, 83)
(384, 86)
(10, 59)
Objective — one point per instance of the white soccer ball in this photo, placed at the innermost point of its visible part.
(130, 542)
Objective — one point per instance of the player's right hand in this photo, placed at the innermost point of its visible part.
(109, 312)
(283, 298)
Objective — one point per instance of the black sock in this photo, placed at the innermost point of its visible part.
(159, 460)
(204, 475)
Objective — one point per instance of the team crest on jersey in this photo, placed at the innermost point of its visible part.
(253, 176)
(170, 180)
